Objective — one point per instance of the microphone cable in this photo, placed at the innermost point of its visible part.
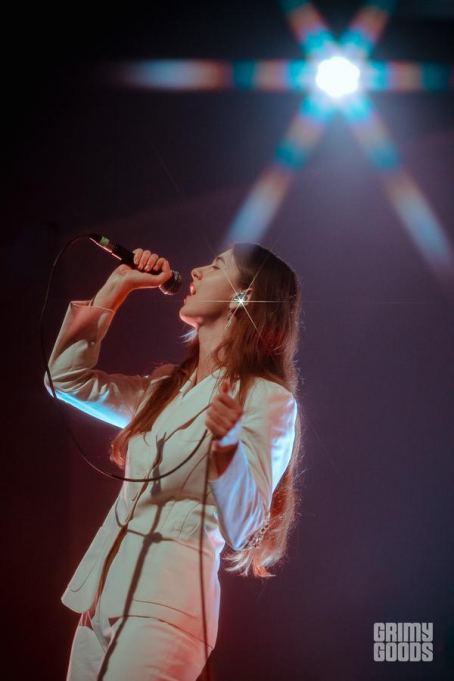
(115, 476)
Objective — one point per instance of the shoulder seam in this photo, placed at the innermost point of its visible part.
(272, 385)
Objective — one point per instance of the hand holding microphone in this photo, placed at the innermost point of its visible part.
(148, 270)
(139, 269)
(169, 280)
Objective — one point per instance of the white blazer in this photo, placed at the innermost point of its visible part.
(155, 571)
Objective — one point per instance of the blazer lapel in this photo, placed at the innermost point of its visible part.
(190, 403)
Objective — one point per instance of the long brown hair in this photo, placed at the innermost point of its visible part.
(264, 347)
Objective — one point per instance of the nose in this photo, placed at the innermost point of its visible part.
(196, 273)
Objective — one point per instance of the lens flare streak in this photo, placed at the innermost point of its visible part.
(272, 186)
(309, 28)
(274, 75)
(366, 28)
(315, 38)
(420, 221)
(406, 77)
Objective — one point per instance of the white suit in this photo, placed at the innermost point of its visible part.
(155, 572)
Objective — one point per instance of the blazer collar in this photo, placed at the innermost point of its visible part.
(191, 402)
(189, 385)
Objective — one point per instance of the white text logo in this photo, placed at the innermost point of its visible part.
(403, 642)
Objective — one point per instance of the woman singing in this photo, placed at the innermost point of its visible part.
(227, 411)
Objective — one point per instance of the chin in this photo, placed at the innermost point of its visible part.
(187, 319)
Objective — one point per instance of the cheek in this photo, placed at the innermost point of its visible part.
(221, 292)
(227, 294)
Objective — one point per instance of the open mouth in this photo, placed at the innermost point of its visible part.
(192, 292)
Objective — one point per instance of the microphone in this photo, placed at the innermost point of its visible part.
(169, 287)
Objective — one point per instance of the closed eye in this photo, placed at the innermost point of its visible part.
(214, 267)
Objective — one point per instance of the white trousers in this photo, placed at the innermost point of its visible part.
(133, 649)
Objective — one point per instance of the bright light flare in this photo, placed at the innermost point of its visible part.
(337, 77)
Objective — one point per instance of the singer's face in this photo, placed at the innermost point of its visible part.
(214, 286)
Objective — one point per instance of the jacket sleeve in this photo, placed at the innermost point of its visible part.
(244, 491)
(113, 398)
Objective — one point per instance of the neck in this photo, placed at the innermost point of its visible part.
(210, 337)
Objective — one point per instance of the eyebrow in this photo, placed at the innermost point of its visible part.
(219, 257)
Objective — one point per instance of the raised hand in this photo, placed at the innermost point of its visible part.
(223, 419)
(140, 277)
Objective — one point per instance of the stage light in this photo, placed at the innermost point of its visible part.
(337, 77)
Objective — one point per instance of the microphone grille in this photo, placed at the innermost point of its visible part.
(173, 284)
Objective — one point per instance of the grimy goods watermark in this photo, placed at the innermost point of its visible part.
(403, 642)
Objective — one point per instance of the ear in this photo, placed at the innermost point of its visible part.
(248, 292)
(234, 304)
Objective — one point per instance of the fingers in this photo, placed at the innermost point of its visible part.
(146, 261)
(227, 401)
(223, 401)
(223, 413)
(224, 429)
(216, 426)
(166, 266)
(158, 264)
(227, 419)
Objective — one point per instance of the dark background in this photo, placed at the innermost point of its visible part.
(168, 171)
